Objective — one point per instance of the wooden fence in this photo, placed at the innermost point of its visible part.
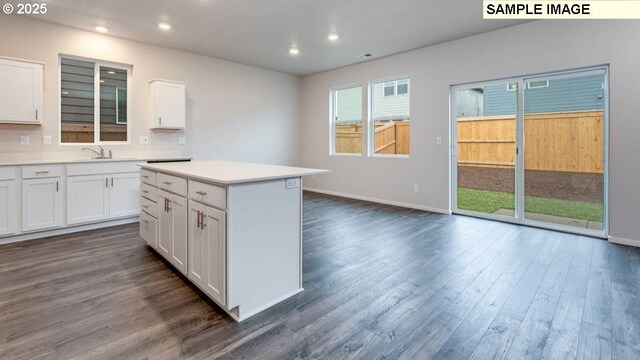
(83, 133)
(389, 138)
(567, 141)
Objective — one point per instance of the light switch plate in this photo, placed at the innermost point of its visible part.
(182, 140)
(439, 140)
(46, 140)
(144, 140)
(292, 183)
(24, 140)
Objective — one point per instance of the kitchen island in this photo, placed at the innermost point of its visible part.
(233, 229)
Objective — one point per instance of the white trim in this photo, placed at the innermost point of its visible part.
(623, 241)
(67, 230)
(379, 201)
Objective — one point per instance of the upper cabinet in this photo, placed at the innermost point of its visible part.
(21, 91)
(168, 104)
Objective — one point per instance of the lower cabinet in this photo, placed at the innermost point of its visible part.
(207, 250)
(172, 229)
(8, 207)
(148, 229)
(41, 204)
(101, 197)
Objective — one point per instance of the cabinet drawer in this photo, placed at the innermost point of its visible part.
(149, 192)
(41, 171)
(149, 207)
(172, 184)
(208, 194)
(148, 229)
(148, 177)
(7, 173)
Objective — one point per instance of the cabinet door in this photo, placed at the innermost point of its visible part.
(125, 195)
(8, 207)
(21, 91)
(169, 105)
(148, 229)
(41, 204)
(178, 210)
(165, 225)
(207, 250)
(87, 199)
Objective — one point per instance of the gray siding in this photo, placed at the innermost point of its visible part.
(574, 94)
(470, 103)
(394, 107)
(348, 104)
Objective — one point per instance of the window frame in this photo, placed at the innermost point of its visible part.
(96, 101)
(393, 87)
(370, 121)
(546, 85)
(333, 103)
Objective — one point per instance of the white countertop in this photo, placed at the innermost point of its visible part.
(18, 162)
(227, 172)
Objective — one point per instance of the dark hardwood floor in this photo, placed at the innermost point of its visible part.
(380, 283)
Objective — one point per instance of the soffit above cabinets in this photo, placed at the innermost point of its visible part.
(261, 33)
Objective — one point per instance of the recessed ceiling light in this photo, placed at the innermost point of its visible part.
(333, 37)
(164, 26)
(294, 51)
(101, 29)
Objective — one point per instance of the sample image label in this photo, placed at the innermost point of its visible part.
(598, 9)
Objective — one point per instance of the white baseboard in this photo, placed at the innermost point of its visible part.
(66, 230)
(380, 201)
(623, 241)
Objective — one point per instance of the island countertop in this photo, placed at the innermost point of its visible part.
(229, 172)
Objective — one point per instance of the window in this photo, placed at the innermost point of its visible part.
(538, 84)
(389, 88)
(389, 125)
(512, 86)
(93, 101)
(346, 120)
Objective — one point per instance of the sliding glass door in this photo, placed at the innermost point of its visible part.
(485, 118)
(532, 150)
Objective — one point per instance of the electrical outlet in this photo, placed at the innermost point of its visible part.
(293, 183)
(439, 140)
(144, 140)
(182, 140)
(46, 140)
(416, 188)
(24, 140)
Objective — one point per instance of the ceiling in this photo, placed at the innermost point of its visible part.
(261, 32)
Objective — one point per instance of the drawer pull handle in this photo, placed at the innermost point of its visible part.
(167, 182)
(145, 221)
(42, 172)
(145, 191)
(201, 193)
(145, 206)
(145, 176)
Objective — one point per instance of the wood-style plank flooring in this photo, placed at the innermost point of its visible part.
(380, 283)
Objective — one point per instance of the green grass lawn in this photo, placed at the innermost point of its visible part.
(491, 201)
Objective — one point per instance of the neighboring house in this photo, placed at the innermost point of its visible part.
(348, 105)
(470, 102)
(545, 96)
(391, 100)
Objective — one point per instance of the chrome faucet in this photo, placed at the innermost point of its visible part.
(99, 153)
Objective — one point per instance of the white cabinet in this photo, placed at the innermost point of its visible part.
(21, 91)
(148, 229)
(207, 250)
(172, 229)
(168, 104)
(98, 192)
(87, 199)
(41, 203)
(124, 195)
(9, 207)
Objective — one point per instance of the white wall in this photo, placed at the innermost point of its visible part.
(533, 47)
(235, 112)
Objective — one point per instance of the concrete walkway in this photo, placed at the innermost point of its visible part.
(554, 219)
